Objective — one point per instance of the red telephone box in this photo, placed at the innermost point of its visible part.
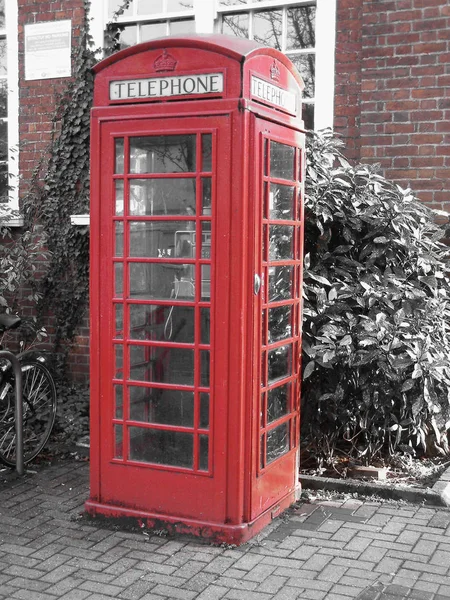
(196, 277)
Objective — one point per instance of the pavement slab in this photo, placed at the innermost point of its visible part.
(339, 549)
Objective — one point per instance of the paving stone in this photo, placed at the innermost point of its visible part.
(212, 592)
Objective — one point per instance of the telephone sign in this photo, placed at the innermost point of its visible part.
(196, 278)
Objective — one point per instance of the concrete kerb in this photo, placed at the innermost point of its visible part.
(438, 495)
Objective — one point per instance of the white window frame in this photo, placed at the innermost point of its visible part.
(12, 66)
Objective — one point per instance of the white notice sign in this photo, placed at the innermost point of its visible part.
(272, 94)
(48, 49)
(157, 87)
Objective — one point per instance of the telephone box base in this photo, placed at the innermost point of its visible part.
(216, 533)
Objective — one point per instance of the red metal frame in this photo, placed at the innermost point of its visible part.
(235, 495)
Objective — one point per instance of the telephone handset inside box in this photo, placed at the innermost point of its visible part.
(184, 243)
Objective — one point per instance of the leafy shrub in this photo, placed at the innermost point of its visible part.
(376, 346)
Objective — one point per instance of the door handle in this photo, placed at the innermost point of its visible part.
(256, 284)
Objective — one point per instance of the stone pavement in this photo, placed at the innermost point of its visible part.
(337, 550)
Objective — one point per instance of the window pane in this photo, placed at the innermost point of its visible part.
(305, 64)
(308, 115)
(277, 402)
(176, 5)
(151, 31)
(236, 25)
(267, 28)
(2, 13)
(3, 141)
(159, 197)
(118, 333)
(301, 27)
(3, 99)
(118, 392)
(119, 239)
(127, 36)
(118, 446)
(118, 165)
(204, 410)
(119, 196)
(4, 187)
(162, 281)
(162, 322)
(149, 7)
(280, 283)
(279, 362)
(118, 279)
(204, 452)
(280, 319)
(162, 365)
(206, 152)
(3, 68)
(277, 442)
(182, 27)
(281, 201)
(281, 242)
(162, 239)
(162, 154)
(161, 447)
(281, 160)
(165, 407)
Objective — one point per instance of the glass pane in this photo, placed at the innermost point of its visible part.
(281, 242)
(206, 282)
(118, 353)
(119, 155)
(114, 5)
(148, 7)
(118, 245)
(163, 281)
(118, 280)
(161, 447)
(280, 283)
(204, 372)
(3, 57)
(4, 183)
(204, 411)
(277, 402)
(162, 154)
(3, 99)
(279, 362)
(266, 150)
(182, 27)
(3, 141)
(176, 5)
(204, 453)
(127, 36)
(162, 365)
(118, 445)
(305, 64)
(160, 322)
(267, 28)
(206, 239)
(277, 442)
(119, 197)
(280, 319)
(159, 197)
(236, 25)
(118, 333)
(282, 160)
(206, 195)
(301, 27)
(281, 201)
(162, 239)
(308, 115)
(166, 407)
(262, 451)
(118, 393)
(2, 13)
(152, 31)
(263, 369)
(205, 326)
(206, 152)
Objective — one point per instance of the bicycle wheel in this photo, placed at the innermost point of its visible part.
(39, 411)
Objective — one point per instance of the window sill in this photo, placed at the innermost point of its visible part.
(79, 220)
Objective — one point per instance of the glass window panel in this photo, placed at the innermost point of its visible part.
(2, 13)
(148, 7)
(281, 281)
(236, 25)
(127, 36)
(161, 322)
(4, 183)
(266, 150)
(278, 402)
(119, 155)
(305, 64)
(177, 5)
(182, 27)
(118, 353)
(152, 31)
(265, 201)
(163, 154)
(204, 370)
(264, 327)
(277, 442)
(119, 197)
(308, 115)
(206, 195)
(3, 98)
(159, 197)
(118, 333)
(280, 319)
(118, 245)
(162, 239)
(206, 239)
(162, 364)
(264, 369)
(3, 141)
(206, 152)
(114, 5)
(206, 282)
(279, 362)
(281, 242)
(282, 160)
(3, 57)
(281, 201)
(118, 445)
(118, 394)
(262, 450)
(118, 280)
(267, 28)
(204, 453)
(161, 447)
(162, 281)
(301, 25)
(204, 410)
(165, 407)
(205, 326)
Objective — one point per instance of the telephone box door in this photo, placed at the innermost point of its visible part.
(159, 388)
(278, 164)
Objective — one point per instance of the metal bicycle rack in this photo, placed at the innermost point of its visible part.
(18, 408)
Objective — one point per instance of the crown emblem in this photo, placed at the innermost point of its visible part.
(275, 72)
(165, 62)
